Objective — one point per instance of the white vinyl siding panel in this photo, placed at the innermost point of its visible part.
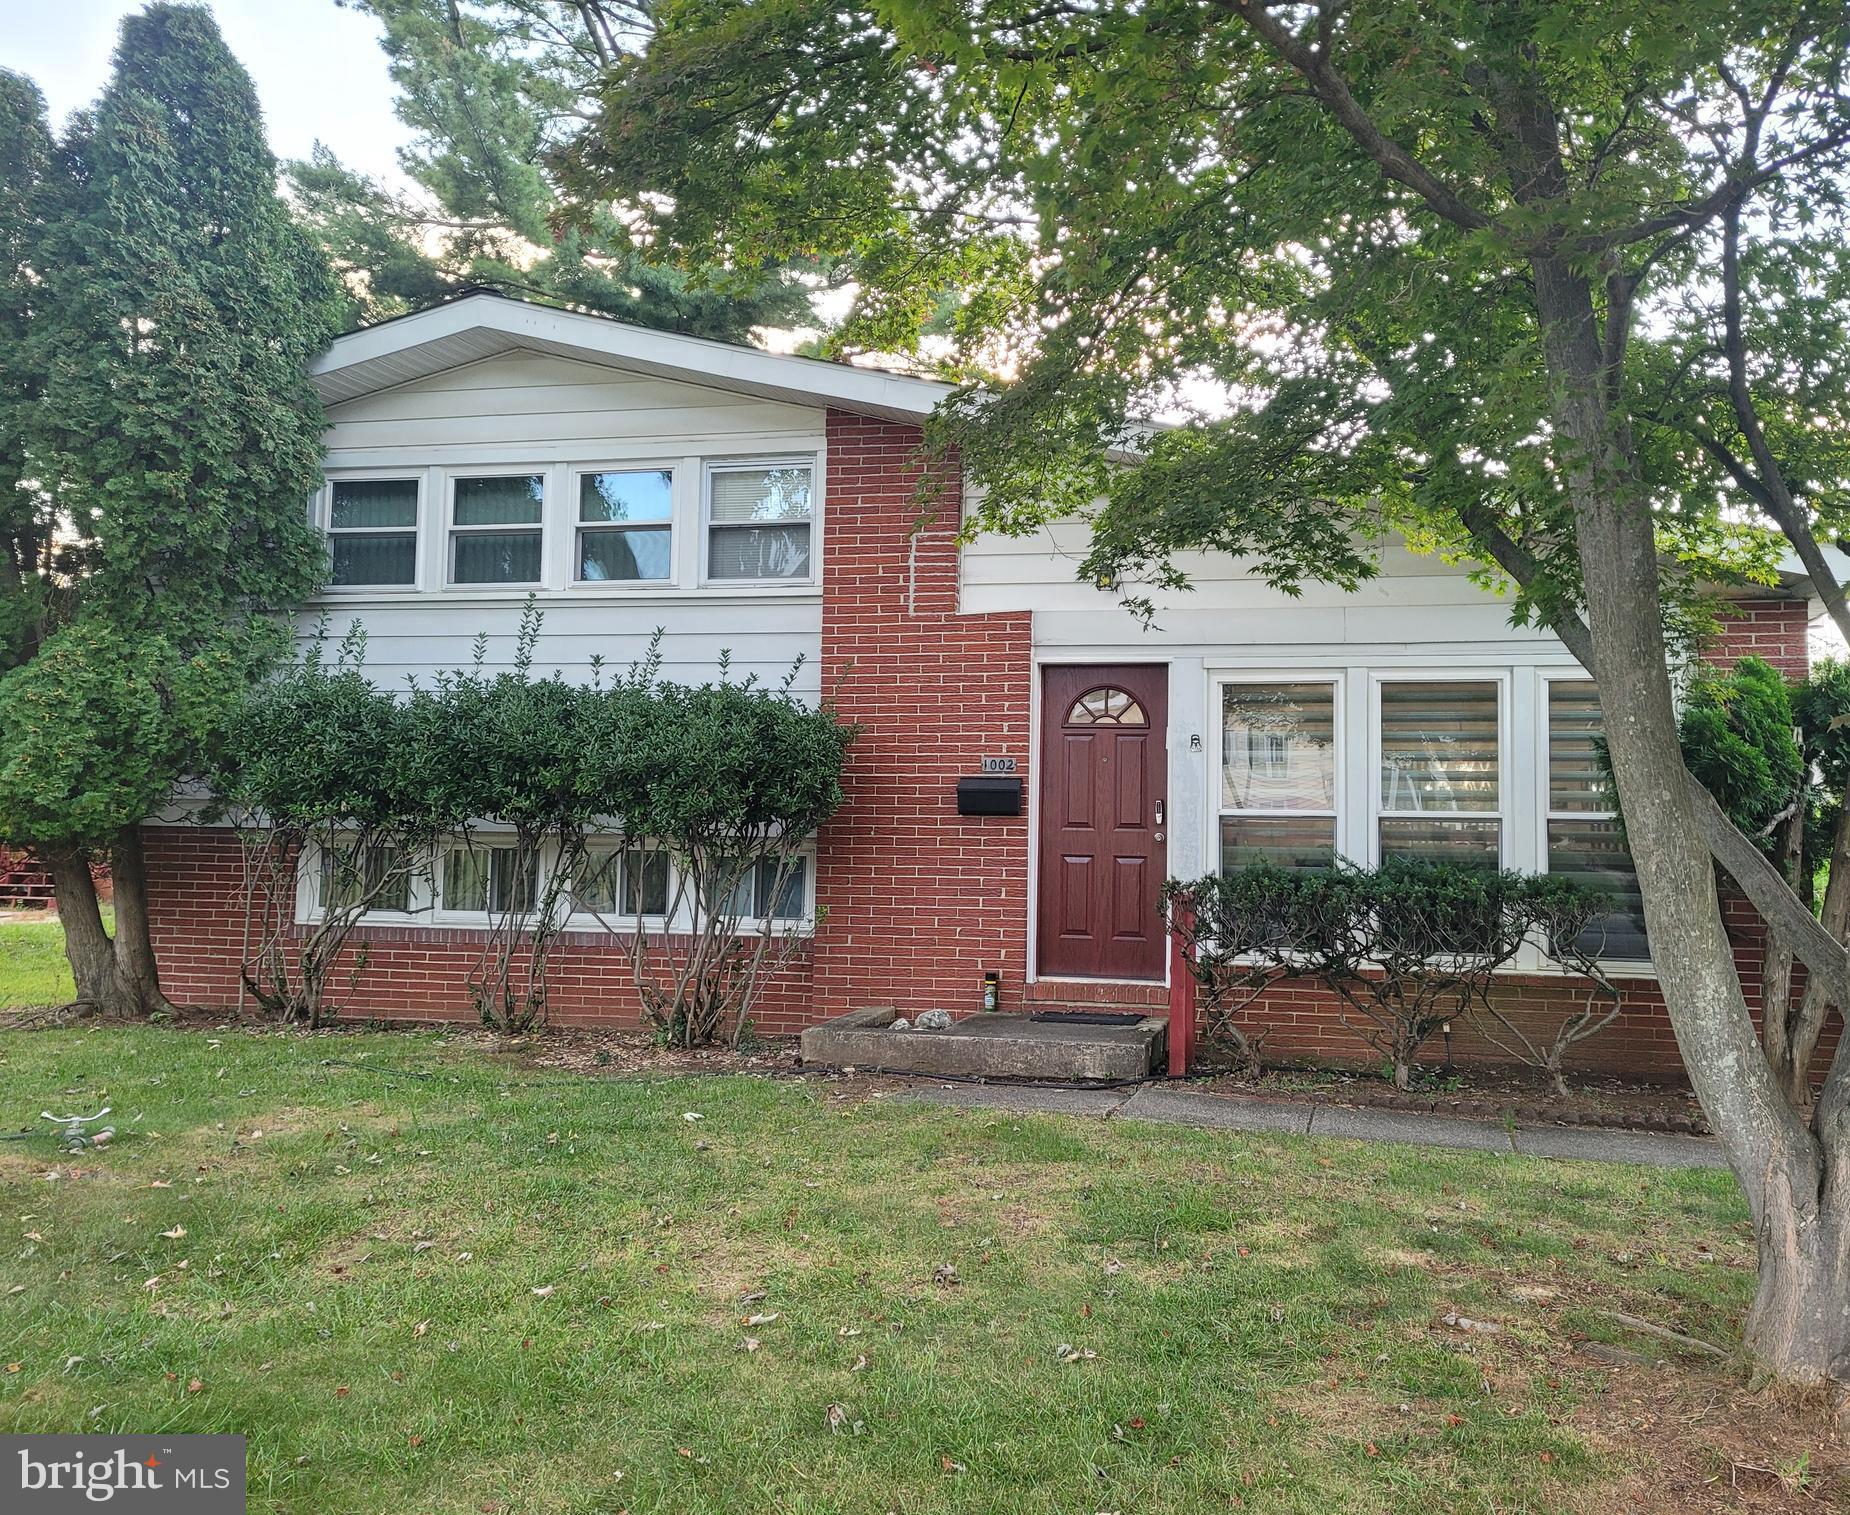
(530, 413)
(417, 638)
(1415, 603)
(524, 400)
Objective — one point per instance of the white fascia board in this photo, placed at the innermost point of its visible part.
(697, 360)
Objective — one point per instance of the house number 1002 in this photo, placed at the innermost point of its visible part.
(998, 765)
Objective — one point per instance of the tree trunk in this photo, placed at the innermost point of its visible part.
(1800, 1321)
(86, 944)
(136, 972)
(1800, 1327)
(1801, 1041)
(1777, 1019)
(1797, 1189)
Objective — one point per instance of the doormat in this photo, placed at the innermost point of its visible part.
(1087, 1017)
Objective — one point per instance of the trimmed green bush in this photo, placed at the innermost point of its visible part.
(1406, 947)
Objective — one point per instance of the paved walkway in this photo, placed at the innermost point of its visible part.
(1240, 1112)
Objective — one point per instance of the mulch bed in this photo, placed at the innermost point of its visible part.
(1489, 1094)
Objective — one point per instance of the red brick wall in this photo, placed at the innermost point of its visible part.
(919, 902)
(411, 972)
(1772, 630)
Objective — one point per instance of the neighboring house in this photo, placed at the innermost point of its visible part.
(768, 506)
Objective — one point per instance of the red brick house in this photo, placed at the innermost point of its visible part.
(768, 505)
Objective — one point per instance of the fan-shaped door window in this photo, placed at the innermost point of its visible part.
(1106, 707)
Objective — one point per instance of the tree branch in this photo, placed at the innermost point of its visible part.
(1774, 494)
(1330, 87)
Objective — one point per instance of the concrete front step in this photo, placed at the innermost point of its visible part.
(989, 1046)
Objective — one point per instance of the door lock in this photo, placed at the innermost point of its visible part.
(1159, 822)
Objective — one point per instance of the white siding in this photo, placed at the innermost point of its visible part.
(543, 407)
(1417, 604)
(528, 410)
(765, 636)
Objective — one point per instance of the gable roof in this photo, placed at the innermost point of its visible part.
(484, 323)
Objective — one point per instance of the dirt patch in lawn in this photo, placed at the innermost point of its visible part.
(1694, 1441)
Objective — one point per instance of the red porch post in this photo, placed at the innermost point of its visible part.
(1181, 995)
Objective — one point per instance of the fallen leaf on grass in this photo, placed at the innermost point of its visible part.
(837, 1417)
(342, 1392)
(422, 1328)
(951, 1466)
(759, 1320)
(751, 1344)
(194, 1385)
(692, 1115)
(14, 1367)
(544, 1291)
(860, 1364)
(175, 1234)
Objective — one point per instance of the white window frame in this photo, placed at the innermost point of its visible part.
(1339, 736)
(799, 925)
(545, 473)
(1377, 677)
(325, 520)
(1547, 678)
(309, 911)
(620, 920)
(754, 464)
(575, 473)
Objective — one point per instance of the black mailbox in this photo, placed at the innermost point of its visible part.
(989, 795)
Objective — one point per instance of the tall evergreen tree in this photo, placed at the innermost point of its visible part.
(491, 90)
(163, 439)
(25, 159)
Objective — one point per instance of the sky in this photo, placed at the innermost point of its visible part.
(318, 68)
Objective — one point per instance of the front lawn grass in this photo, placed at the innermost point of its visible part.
(33, 968)
(421, 1277)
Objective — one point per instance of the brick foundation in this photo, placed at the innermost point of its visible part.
(413, 973)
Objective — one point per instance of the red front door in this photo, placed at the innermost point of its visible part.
(1104, 789)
